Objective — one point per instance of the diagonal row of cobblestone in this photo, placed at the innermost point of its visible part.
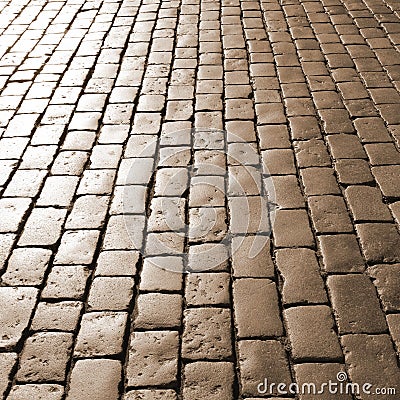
(198, 197)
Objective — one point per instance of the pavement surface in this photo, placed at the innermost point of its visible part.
(199, 199)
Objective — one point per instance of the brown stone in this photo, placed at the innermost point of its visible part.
(97, 379)
(207, 334)
(341, 253)
(302, 282)
(311, 334)
(355, 304)
(260, 360)
(153, 358)
(256, 308)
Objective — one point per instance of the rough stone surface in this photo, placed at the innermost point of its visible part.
(355, 304)
(302, 282)
(311, 333)
(381, 365)
(153, 358)
(45, 357)
(100, 334)
(208, 380)
(260, 360)
(18, 303)
(187, 185)
(256, 308)
(207, 334)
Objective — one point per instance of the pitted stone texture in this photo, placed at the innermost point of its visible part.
(207, 334)
(260, 360)
(380, 242)
(388, 178)
(372, 210)
(318, 374)
(209, 162)
(100, 334)
(292, 229)
(162, 274)
(96, 379)
(353, 171)
(60, 316)
(66, 282)
(88, 212)
(287, 192)
(319, 181)
(26, 266)
(110, 293)
(166, 243)
(211, 380)
(207, 191)
(135, 171)
(175, 156)
(12, 212)
(311, 153)
(43, 391)
(167, 214)
(69, 163)
(393, 321)
(45, 357)
(43, 227)
(77, 247)
(208, 256)
(341, 253)
(25, 183)
(171, 182)
(153, 358)
(243, 154)
(207, 224)
(249, 215)
(7, 363)
(124, 232)
(117, 263)
(96, 182)
(329, 214)
(62, 197)
(18, 304)
(244, 181)
(207, 288)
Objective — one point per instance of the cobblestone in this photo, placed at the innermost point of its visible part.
(357, 309)
(256, 308)
(311, 333)
(97, 378)
(100, 334)
(44, 357)
(358, 348)
(200, 341)
(302, 282)
(153, 358)
(13, 211)
(261, 360)
(143, 259)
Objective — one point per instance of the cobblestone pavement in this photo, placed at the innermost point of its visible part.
(107, 197)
